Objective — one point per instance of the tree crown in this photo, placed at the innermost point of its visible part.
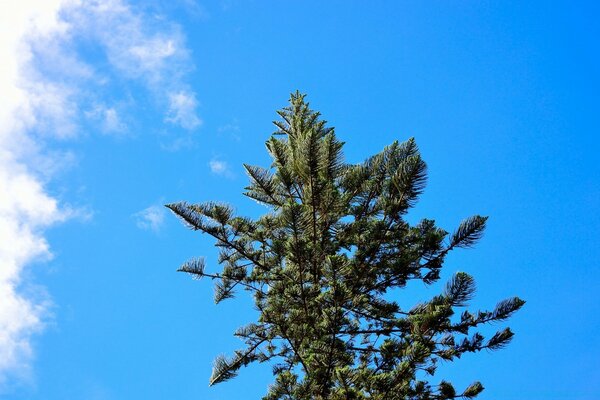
(320, 265)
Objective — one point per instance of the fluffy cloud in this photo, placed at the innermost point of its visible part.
(25, 207)
(48, 92)
(25, 211)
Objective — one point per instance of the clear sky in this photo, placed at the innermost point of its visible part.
(111, 108)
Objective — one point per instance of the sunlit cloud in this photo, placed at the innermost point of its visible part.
(26, 209)
(49, 93)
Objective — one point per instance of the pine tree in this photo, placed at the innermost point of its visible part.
(322, 262)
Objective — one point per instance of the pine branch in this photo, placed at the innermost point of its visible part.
(224, 368)
(500, 339)
(224, 289)
(194, 267)
(188, 216)
(460, 289)
(472, 390)
(409, 180)
(506, 308)
(503, 310)
(446, 390)
(469, 232)
(263, 187)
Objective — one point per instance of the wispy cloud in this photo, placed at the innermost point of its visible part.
(232, 129)
(151, 218)
(179, 143)
(143, 48)
(108, 118)
(48, 92)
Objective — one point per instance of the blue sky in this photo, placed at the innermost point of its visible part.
(112, 108)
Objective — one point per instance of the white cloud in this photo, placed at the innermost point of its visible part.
(220, 167)
(144, 48)
(46, 87)
(26, 209)
(131, 46)
(151, 218)
(182, 110)
(152, 54)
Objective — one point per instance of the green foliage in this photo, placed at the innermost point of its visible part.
(320, 265)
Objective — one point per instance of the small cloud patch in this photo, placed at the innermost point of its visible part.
(109, 119)
(182, 110)
(150, 219)
(220, 167)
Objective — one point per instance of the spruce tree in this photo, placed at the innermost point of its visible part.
(322, 262)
